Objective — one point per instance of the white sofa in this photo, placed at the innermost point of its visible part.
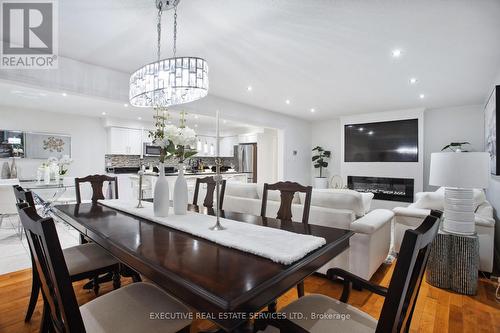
(410, 217)
(343, 209)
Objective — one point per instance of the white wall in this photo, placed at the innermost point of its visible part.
(454, 124)
(267, 156)
(327, 135)
(88, 138)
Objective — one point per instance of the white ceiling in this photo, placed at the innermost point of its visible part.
(330, 55)
(16, 96)
(334, 56)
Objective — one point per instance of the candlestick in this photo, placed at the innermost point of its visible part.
(217, 177)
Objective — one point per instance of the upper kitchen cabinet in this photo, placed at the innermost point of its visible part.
(227, 146)
(124, 141)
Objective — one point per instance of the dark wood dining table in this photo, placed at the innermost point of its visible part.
(222, 284)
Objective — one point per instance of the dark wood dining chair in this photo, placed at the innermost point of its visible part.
(97, 184)
(86, 261)
(287, 192)
(209, 197)
(126, 309)
(400, 296)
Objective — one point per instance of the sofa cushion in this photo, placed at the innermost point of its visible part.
(372, 221)
(339, 199)
(242, 190)
(435, 200)
(275, 195)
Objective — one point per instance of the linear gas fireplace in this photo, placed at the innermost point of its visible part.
(391, 189)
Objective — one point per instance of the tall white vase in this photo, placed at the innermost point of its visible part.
(161, 199)
(180, 193)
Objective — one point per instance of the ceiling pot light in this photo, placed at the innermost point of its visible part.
(64, 94)
(139, 118)
(421, 96)
(104, 113)
(396, 53)
(312, 110)
(249, 88)
(413, 80)
(125, 105)
(170, 81)
(287, 101)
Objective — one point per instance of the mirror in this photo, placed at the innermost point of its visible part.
(11, 144)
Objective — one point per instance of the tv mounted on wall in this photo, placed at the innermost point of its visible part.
(388, 141)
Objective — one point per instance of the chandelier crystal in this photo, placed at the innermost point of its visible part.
(171, 81)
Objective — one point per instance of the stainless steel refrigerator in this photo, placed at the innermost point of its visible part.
(247, 160)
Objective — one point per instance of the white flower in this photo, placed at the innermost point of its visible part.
(65, 160)
(52, 160)
(187, 137)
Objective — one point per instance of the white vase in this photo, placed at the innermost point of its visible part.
(161, 197)
(180, 193)
(321, 182)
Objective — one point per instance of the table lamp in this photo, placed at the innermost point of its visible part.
(459, 173)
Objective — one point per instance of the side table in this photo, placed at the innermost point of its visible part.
(454, 262)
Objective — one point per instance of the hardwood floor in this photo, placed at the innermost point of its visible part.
(437, 310)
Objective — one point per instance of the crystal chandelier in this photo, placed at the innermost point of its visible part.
(170, 81)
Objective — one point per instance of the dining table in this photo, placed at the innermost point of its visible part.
(224, 285)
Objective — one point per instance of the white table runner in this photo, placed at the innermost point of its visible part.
(280, 246)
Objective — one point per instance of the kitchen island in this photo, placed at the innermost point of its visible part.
(128, 183)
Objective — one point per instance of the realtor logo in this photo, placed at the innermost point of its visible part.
(29, 34)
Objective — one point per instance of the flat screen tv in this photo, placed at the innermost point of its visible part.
(388, 141)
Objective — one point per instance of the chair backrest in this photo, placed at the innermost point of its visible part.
(209, 197)
(287, 190)
(402, 293)
(48, 259)
(23, 196)
(97, 183)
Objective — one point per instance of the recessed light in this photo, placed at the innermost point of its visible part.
(361, 129)
(313, 110)
(370, 133)
(249, 88)
(64, 94)
(396, 53)
(139, 118)
(421, 96)
(287, 101)
(413, 80)
(104, 113)
(125, 105)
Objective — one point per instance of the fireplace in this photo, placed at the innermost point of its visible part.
(391, 189)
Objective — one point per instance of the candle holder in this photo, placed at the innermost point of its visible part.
(139, 204)
(218, 179)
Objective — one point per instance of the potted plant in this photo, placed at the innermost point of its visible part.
(319, 159)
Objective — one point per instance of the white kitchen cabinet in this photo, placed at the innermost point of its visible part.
(227, 146)
(124, 141)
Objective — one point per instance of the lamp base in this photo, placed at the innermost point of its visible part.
(459, 211)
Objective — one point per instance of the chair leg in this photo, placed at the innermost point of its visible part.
(45, 325)
(116, 279)
(273, 307)
(95, 282)
(35, 290)
(300, 289)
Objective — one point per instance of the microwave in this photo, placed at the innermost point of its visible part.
(151, 149)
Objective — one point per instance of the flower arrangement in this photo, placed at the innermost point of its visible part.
(174, 141)
(61, 164)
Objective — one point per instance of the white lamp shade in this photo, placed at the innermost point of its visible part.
(460, 169)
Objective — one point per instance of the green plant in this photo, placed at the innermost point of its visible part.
(456, 146)
(319, 159)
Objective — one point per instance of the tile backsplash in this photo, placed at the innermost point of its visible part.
(117, 161)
